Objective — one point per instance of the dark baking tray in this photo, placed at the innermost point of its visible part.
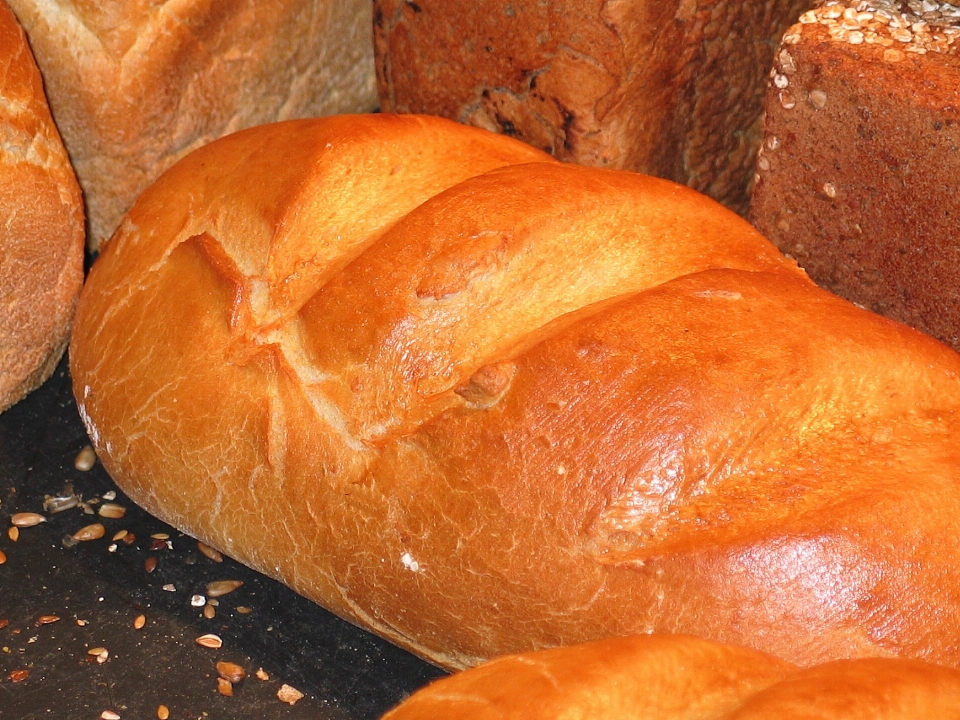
(97, 590)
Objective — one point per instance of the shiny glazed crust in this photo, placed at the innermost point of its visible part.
(676, 677)
(480, 401)
(41, 225)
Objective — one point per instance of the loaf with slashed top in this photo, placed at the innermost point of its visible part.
(480, 401)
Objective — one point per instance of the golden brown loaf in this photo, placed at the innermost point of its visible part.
(134, 85)
(676, 677)
(672, 88)
(41, 225)
(480, 401)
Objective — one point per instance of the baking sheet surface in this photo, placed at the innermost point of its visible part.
(59, 602)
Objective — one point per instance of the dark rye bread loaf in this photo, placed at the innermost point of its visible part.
(41, 224)
(672, 88)
(861, 155)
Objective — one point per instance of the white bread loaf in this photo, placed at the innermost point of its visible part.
(480, 401)
(135, 85)
(41, 225)
(676, 677)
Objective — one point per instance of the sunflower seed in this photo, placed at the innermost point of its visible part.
(222, 587)
(210, 641)
(90, 532)
(85, 459)
(26, 519)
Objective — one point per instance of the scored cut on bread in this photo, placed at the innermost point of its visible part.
(41, 225)
(479, 401)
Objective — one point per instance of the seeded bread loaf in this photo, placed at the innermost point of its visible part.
(41, 225)
(674, 677)
(672, 88)
(134, 85)
(480, 401)
(859, 166)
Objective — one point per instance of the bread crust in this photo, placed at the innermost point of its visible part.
(135, 85)
(671, 677)
(41, 236)
(479, 401)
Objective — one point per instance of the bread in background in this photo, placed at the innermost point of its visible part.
(671, 88)
(41, 225)
(858, 171)
(134, 85)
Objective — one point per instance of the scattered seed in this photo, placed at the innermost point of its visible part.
(85, 459)
(112, 511)
(224, 687)
(209, 612)
(110, 495)
(210, 641)
(3, 557)
(231, 671)
(100, 653)
(13, 532)
(158, 544)
(119, 535)
(830, 190)
(129, 538)
(160, 536)
(163, 712)
(3, 623)
(210, 552)
(818, 98)
(222, 587)
(139, 621)
(262, 674)
(198, 601)
(288, 694)
(109, 715)
(46, 620)
(19, 675)
(170, 587)
(58, 503)
(150, 564)
(90, 532)
(26, 519)
(244, 610)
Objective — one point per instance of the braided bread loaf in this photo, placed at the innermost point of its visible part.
(480, 401)
(679, 677)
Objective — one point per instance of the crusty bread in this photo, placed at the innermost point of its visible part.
(672, 88)
(481, 401)
(41, 225)
(675, 677)
(857, 177)
(134, 85)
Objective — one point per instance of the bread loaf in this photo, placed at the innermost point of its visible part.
(860, 159)
(480, 401)
(135, 85)
(672, 88)
(41, 225)
(664, 677)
